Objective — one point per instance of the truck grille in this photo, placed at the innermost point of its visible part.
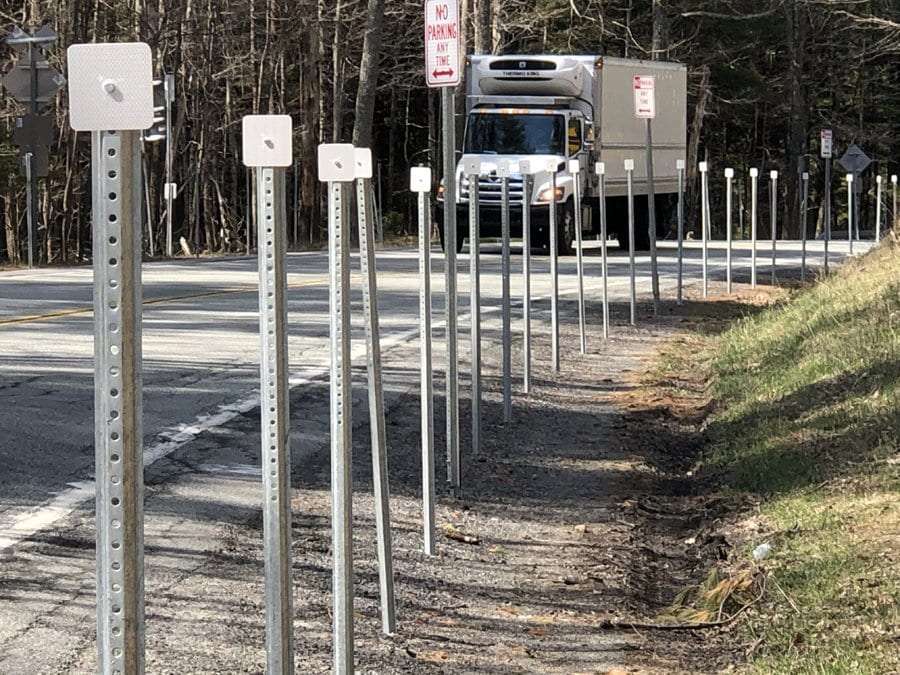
(489, 190)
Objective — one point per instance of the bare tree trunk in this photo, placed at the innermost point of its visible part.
(368, 76)
(482, 26)
(797, 136)
(694, 149)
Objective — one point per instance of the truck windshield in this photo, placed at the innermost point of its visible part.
(503, 134)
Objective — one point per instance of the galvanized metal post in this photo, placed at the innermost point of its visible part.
(729, 179)
(295, 203)
(629, 177)
(253, 202)
(704, 224)
(773, 208)
(754, 208)
(425, 362)
(526, 279)
(450, 271)
(894, 180)
(804, 218)
(506, 310)
(554, 268)
(600, 168)
(575, 170)
(275, 419)
(827, 210)
(169, 94)
(878, 181)
(475, 304)
(341, 428)
(376, 405)
(651, 212)
(850, 211)
(30, 186)
(118, 436)
(679, 166)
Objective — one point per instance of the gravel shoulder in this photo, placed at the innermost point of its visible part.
(577, 509)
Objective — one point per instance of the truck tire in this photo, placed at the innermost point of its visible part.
(565, 237)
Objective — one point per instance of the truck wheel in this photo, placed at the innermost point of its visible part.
(566, 232)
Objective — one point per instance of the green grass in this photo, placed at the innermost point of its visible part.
(808, 419)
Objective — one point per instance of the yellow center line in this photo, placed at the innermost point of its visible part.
(156, 301)
(317, 281)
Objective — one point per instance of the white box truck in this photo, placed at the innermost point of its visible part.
(544, 108)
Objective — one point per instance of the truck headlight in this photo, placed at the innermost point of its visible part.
(546, 194)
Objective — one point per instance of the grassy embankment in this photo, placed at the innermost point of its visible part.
(807, 419)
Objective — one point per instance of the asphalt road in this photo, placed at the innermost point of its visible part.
(200, 348)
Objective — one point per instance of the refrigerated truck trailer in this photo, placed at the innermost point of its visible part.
(550, 108)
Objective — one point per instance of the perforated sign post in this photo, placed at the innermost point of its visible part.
(267, 150)
(729, 179)
(505, 169)
(552, 168)
(366, 221)
(337, 168)
(704, 223)
(442, 69)
(804, 216)
(472, 170)
(773, 215)
(754, 219)
(632, 296)
(420, 183)
(645, 108)
(575, 170)
(526, 168)
(600, 169)
(111, 95)
(679, 167)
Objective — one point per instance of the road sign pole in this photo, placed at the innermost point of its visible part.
(850, 207)
(554, 268)
(420, 182)
(118, 402)
(474, 175)
(827, 210)
(729, 179)
(450, 271)
(169, 92)
(804, 217)
(506, 330)
(878, 181)
(629, 176)
(29, 206)
(341, 426)
(894, 179)
(773, 216)
(575, 170)
(704, 224)
(376, 396)
(679, 165)
(266, 150)
(600, 168)
(526, 279)
(754, 211)
(651, 210)
(275, 420)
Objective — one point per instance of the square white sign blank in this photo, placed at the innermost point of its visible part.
(267, 140)
(110, 86)
(337, 163)
(420, 179)
(363, 163)
(472, 166)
